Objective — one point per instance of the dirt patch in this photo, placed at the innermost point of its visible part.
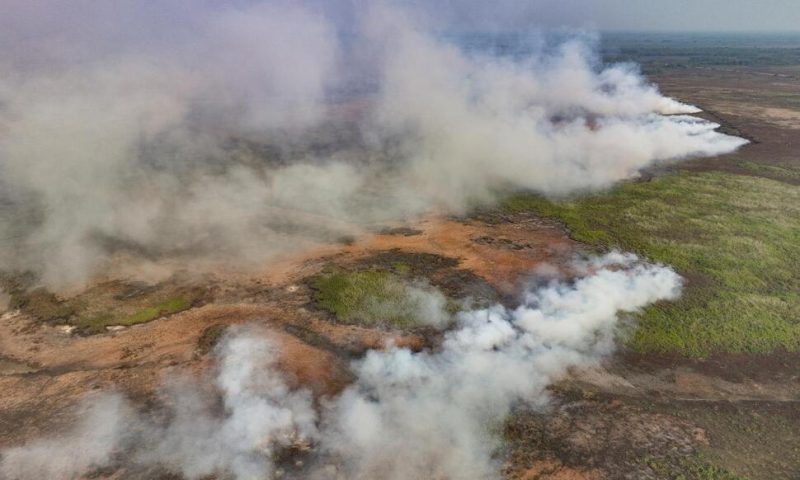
(9, 366)
(553, 469)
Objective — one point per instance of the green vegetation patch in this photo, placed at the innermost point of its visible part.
(167, 307)
(103, 305)
(377, 298)
(735, 238)
(97, 323)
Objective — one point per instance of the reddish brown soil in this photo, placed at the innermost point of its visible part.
(45, 370)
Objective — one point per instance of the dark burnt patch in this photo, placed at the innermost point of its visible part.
(319, 341)
(501, 242)
(401, 231)
(589, 435)
(778, 366)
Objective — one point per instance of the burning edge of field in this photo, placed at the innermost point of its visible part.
(434, 413)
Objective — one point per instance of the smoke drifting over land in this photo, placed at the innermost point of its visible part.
(432, 414)
(200, 132)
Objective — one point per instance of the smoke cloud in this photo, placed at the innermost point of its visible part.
(200, 132)
(430, 414)
(102, 422)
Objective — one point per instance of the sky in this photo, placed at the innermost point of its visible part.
(632, 15)
(35, 18)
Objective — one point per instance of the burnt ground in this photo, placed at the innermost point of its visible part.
(638, 416)
(759, 104)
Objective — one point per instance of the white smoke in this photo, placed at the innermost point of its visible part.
(549, 123)
(197, 131)
(260, 414)
(430, 414)
(102, 424)
(417, 303)
(436, 414)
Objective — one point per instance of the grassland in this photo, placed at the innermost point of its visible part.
(97, 323)
(101, 306)
(788, 173)
(378, 298)
(353, 297)
(735, 238)
(343, 294)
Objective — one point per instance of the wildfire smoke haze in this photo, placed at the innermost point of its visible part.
(193, 135)
(234, 133)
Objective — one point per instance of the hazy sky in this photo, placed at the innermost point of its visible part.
(52, 16)
(664, 15)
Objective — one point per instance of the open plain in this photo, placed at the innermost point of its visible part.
(703, 388)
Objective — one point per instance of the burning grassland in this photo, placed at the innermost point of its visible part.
(376, 298)
(248, 232)
(65, 366)
(406, 414)
(230, 143)
(400, 289)
(732, 236)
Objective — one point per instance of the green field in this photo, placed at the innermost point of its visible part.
(735, 238)
(98, 307)
(98, 323)
(379, 298)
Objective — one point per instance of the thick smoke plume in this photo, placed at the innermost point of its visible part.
(431, 414)
(199, 132)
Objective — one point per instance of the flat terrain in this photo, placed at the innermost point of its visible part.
(703, 388)
(708, 386)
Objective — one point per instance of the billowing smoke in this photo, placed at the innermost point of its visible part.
(198, 132)
(429, 414)
(437, 414)
(261, 415)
